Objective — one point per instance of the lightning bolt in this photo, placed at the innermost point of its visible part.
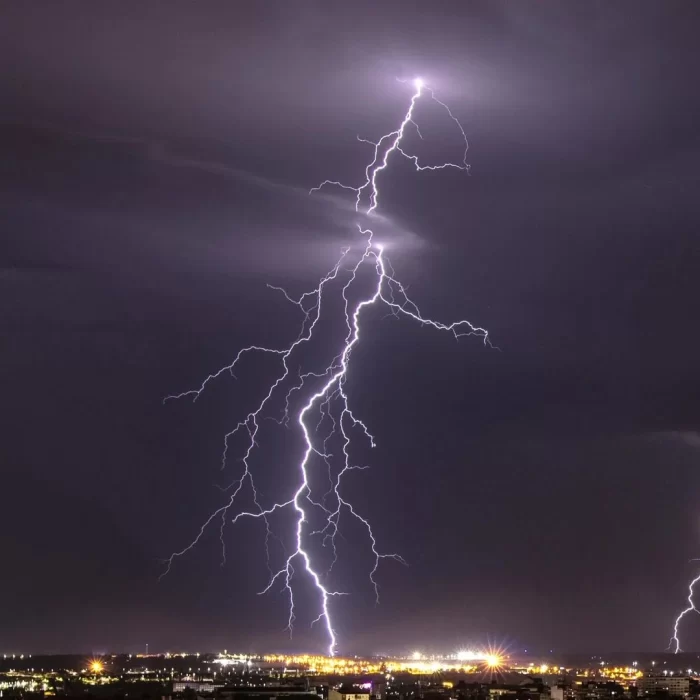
(380, 161)
(675, 642)
(325, 395)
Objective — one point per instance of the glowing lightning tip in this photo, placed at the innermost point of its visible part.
(418, 82)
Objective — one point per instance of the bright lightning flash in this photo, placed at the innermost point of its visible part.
(675, 642)
(325, 392)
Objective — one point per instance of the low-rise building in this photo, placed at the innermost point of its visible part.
(348, 693)
(197, 686)
(650, 684)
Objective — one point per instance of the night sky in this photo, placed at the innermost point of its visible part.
(156, 159)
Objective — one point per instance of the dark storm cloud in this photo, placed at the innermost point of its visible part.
(316, 71)
(529, 489)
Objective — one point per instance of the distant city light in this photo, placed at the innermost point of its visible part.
(488, 661)
(466, 655)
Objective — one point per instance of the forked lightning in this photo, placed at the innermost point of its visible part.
(325, 414)
(675, 642)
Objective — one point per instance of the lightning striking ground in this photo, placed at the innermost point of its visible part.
(324, 413)
(675, 642)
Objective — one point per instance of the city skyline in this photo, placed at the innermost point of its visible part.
(311, 677)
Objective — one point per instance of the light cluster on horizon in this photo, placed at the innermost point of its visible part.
(465, 661)
(325, 417)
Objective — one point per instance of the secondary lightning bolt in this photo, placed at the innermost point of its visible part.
(326, 395)
(675, 642)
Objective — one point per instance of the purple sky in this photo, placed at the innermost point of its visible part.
(156, 164)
